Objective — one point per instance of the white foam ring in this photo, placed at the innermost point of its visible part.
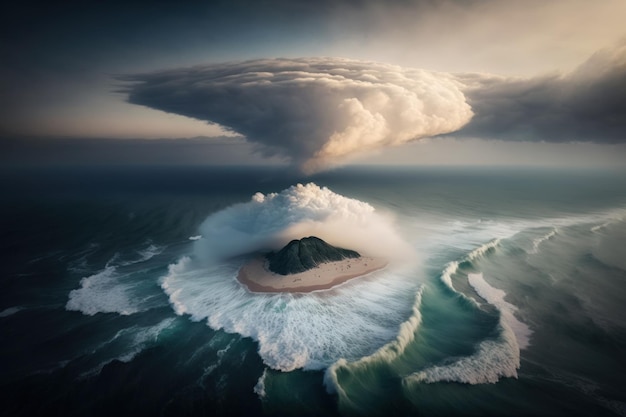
(208, 370)
(293, 331)
(599, 227)
(482, 250)
(310, 331)
(143, 255)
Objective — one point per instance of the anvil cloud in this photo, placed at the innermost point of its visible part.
(313, 111)
(585, 105)
(317, 112)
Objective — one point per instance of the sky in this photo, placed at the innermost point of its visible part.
(315, 84)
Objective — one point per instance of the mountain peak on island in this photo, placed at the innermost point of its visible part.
(304, 254)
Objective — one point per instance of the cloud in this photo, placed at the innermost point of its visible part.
(318, 112)
(588, 104)
(269, 221)
(315, 111)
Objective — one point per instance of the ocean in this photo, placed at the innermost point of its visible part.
(505, 295)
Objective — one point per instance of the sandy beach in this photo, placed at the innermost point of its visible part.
(258, 278)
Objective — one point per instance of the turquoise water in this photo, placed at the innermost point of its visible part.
(504, 296)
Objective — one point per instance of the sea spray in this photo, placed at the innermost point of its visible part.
(269, 221)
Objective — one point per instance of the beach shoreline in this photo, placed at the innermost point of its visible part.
(255, 276)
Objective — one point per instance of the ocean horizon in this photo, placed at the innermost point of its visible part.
(505, 297)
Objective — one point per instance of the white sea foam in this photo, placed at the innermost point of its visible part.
(196, 237)
(599, 227)
(259, 388)
(538, 241)
(149, 252)
(387, 353)
(293, 331)
(452, 267)
(101, 293)
(492, 360)
(495, 297)
(208, 370)
(10, 311)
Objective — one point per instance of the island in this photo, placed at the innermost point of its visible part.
(305, 265)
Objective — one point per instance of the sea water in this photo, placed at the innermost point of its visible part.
(119, 293)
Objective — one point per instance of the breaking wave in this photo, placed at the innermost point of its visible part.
(538, 241)
(388, 353)
(309, 331)
(452, 267)
(494, 358)
(118, 288)
(495, 297)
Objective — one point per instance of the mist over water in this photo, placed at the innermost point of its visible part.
(268, 222)
(499, 281)
(309, 331)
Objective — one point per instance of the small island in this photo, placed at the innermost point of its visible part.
(306, 265)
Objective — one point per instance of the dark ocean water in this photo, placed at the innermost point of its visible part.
(118, 293)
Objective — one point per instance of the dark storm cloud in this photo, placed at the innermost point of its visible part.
(588, 104)
(314, 111)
